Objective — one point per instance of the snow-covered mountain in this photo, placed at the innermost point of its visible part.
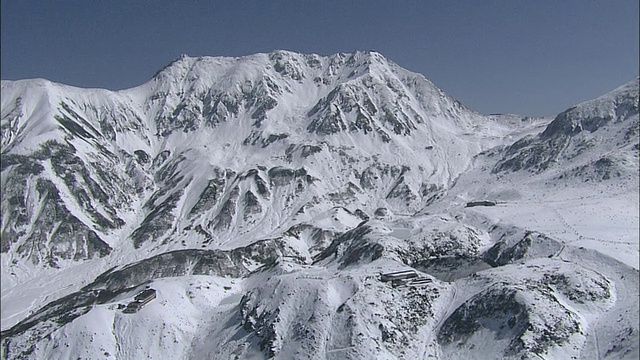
(262, 196)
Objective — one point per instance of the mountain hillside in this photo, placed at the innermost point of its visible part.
(263, 196)
(607, 126)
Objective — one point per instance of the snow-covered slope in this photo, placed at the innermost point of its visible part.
(598, 138)
(262, 196)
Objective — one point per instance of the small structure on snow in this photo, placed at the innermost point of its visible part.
(420, 281)
(146, 296)
(132, 307)
(399, 275)
(481, 203)
(140, 300)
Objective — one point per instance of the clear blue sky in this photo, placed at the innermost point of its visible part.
(527, 57)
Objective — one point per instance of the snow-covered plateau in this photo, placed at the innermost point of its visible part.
(263, 197)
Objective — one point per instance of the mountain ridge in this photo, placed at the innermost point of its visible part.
(76, 122)
(294, 168)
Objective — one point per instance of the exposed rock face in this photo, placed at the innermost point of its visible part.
(576, 130)
(515, 245)
(501, 311)
(38, 222)
(19, 340)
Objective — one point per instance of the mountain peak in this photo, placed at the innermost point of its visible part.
(281, 60)
(340, 88)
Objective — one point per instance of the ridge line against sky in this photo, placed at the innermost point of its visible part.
(502, 56)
